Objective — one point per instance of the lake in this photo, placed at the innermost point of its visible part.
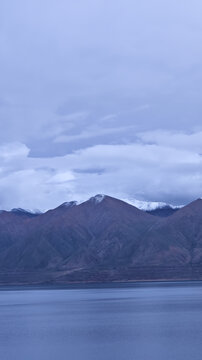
(144, 321)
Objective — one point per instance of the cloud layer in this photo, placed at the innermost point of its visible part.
(100, 97)
(169, 171)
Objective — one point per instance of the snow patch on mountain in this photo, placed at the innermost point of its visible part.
(70, 204)
(97, 198)
(150, 205)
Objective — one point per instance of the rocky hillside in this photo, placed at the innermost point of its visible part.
(102, 239)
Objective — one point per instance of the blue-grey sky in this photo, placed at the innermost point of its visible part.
(100, 97)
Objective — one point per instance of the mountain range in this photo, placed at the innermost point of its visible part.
(101, 239)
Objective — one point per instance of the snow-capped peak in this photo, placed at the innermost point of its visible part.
(70, 204)
(97, 198)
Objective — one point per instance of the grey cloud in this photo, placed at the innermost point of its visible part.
(92, 132)
(173, 139)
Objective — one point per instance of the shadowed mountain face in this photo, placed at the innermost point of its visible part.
(102, 239)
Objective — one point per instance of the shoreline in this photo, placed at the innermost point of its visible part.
(100, 285)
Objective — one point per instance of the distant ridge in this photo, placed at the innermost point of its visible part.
(163, 211)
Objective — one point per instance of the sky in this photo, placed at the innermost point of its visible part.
(100, 97)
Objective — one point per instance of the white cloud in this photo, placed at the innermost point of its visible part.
(155, 172)
(11, 151)
(61, 177)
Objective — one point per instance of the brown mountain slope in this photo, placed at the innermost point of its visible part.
(176, 240)
(101, 239)
(104, 232)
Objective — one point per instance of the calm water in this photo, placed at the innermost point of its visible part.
(143, 322)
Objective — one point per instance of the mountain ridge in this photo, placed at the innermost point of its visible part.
(101, 239)
(148, 206)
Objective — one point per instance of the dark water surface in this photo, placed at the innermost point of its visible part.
(141, 322)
